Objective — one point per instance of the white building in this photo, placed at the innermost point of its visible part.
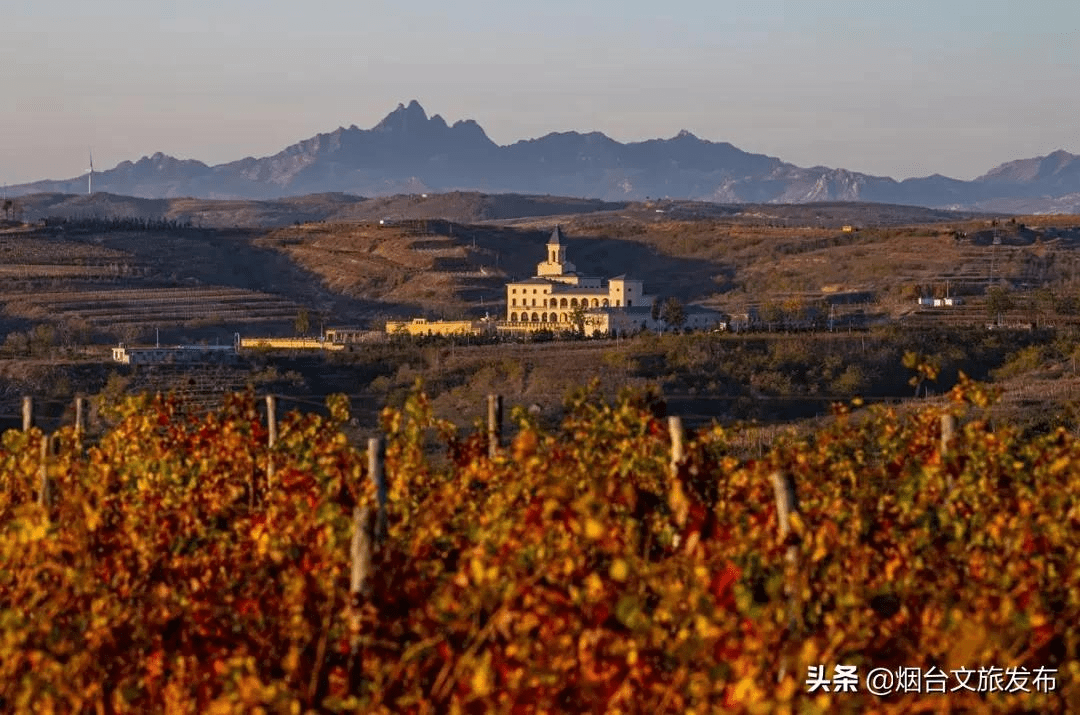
(557, 297)
(553, 298)
(179, 354)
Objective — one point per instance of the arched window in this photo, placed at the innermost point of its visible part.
(606, 302)
(513, 317)
(565, 318)
(543, 318)
(595, 303)
(562, 303)
(573, 302)
(535, 318)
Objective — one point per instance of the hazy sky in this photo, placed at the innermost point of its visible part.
(900, 88)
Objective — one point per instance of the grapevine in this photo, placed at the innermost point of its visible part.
(578, 570)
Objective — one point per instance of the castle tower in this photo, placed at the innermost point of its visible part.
(556, 263)
(556, 251)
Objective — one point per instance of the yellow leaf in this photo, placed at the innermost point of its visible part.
(481, 680)
(593, 585)
(890, 569)
(92, 516)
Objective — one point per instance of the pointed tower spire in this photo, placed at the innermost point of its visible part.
(556, 263)
(556, 236)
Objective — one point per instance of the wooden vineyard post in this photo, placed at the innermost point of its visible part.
(78, 417)
(367, 534)
(787, 504)
(676, 430)
(376, 457)
(271, 440)
(680, 505)
(948, 432)
(360, 555)
(359, 579)
(43, 472)
(27, 413)
(494, 424)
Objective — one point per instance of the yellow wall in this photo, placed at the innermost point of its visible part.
(288, 344)
(420, 326)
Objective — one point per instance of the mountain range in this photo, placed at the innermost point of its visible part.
(410, 152)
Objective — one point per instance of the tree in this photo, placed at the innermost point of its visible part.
(16, 344)
(925, 367)
(673, 313)
(577, 317)
(773, 313)
(42, 338)
(998, 301)
(303, 322)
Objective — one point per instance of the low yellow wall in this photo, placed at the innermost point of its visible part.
(432, 327)
(288, 344)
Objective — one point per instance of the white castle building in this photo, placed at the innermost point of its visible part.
(557, 297)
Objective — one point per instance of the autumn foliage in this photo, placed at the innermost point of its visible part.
(574, 572)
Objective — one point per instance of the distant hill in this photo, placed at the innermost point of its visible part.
(411, 153)
(459, 206)
(206, 213)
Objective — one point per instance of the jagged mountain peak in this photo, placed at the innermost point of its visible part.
(161, 160)
(403, 118)
(408, 151)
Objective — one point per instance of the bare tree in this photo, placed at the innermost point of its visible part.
(303, 322)
(673, 313)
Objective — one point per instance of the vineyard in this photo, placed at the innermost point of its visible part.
(152, 306)
(183, 564)
(29, 257)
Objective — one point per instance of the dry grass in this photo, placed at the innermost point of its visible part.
(396, 265)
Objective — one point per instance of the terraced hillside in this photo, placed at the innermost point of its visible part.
(151, 306)
(363, 271)
(27, 254)
(432, 266)
(123, 284)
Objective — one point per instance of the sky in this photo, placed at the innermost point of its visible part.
(884, 87)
